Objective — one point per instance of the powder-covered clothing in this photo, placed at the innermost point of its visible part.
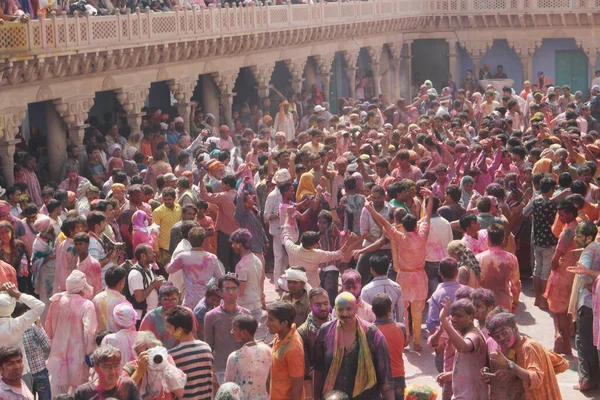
(324, 353)
(395, 338)
(252, 380)
(466, 381)
(195, 359)
(382, 284)
(500, 274)
(478, 245)
(287, 363)
(560, 282)
(104, 303)
(436, 302)
(37, 348)
(198, 268)
(125, 389)
(249, 270)
(123, 340)
(156, 323)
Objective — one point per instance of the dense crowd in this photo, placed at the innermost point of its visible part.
(141, 273)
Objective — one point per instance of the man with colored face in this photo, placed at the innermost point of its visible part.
(319, 314)
(528, 360)
(337, 364)
(471, 351)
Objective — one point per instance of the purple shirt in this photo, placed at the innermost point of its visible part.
(444, 289)
(323, 356)
(217, 332)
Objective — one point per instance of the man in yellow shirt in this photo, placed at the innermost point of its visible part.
(165, 216)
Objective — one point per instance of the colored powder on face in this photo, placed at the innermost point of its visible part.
(344, 299)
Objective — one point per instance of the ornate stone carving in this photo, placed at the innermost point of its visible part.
(162, 75)
(108, 83)
(44, 93)
(132, 99)
(225, 81)
(74, 111)
(350, 56)
(324, 62)
(10, 121)
(477, 48)
(525, 48)
(182, 89)
(395, 51)
(262, 73)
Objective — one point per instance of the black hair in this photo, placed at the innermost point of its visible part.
(466, 220)
(496, 234)
(283, 310)
(309, 239)
(228, 277)
(180, 317)
(381, 304)
(246, 323)
(448, 268)
(114, 275)
(379, 263)
(547, 184)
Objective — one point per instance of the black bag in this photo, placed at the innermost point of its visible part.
(146, 279)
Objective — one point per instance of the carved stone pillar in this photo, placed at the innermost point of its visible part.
(132, 100)
(7, 160)
(351, 57)
(452, 58)
(225, 81)
(591, 50)
(74, 112)
(183, 89)
(375, 55)
(395, 91)
(296, 67)
(324, 62)
(10, 121)
(262, 73)
(525, 51)
(210, 97)
(476, 49)
(407, 60)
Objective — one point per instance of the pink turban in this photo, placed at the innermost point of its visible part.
(124, 315)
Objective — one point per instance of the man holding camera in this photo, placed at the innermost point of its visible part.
(143, 286)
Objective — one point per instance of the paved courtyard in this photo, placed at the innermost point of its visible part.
(531, 320)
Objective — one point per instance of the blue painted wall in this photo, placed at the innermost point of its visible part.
(501, 54)
(463, 63)
(544, 58)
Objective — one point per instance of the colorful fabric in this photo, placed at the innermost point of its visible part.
(365, 374)
(560, 282)
(306, 186)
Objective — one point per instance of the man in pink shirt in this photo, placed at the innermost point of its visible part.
(500, 270)
(226, 223)
(88, 264)
(475, 238)
(405, 169)
(410, 245)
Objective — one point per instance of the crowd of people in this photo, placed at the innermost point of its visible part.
(141, 273)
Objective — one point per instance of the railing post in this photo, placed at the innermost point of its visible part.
(268, 15)
(177, 30)
(118, 15)
(65, 24)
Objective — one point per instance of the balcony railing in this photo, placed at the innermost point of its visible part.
(60, 34)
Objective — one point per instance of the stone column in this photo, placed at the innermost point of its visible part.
(476, 49)
(10, 121)
(375, 56)
(452, 58)
(395, 90)
(210, 97)
(57, 138)
(324, 62)
(225, 81)
(407, 58)
(525, 51)
(7, 160)
(296, 68)
(74, 112)
(183, 89)
(351, 57)
(132, 100)
(262, 73)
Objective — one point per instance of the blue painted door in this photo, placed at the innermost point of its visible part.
(572, 69)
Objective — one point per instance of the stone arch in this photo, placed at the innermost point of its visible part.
(500, 53)
(162, 75)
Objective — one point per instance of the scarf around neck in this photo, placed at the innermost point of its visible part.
(365, 377)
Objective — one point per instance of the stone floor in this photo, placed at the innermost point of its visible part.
(531, 320)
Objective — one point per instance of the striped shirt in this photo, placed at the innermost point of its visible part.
(195, 359)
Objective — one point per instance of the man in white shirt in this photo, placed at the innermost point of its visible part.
(284, 121)
(12, 329)
(440, 234)
(271, 216)
(143, 285)
(371, 232)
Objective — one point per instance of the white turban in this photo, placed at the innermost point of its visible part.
(42, 223)
(295, 275)
(7, 304)
(76, 283)
(124, 315)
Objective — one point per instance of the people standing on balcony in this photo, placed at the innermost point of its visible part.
(485, 72)
(500, 73)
